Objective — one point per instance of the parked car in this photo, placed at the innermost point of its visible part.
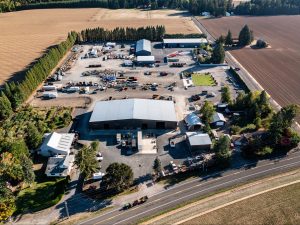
(163, 73)
(98, 176)
(99, 157)
(195, 97)
(173, 165)
(172, 144)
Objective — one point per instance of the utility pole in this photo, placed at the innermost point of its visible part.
(67, 210)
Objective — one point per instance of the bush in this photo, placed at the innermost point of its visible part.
(265, 151)
(235, 129)
(249, 128)
(295, 139)
(261, 43)
(258, 123)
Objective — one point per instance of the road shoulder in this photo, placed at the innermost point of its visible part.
(226, 198)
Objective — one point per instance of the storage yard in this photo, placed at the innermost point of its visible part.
(121, 94)
(275, 68)
(23, 40)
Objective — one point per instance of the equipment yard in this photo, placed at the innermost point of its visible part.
(275, 68)
(95, 74)
(24, 39)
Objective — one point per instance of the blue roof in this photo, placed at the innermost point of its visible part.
(143, 45)
(192, 119)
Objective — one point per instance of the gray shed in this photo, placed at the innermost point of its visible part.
(198, 141)
(143, 48)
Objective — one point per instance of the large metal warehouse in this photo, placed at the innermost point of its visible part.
(134, 113)
(143, 48)
(184, 42)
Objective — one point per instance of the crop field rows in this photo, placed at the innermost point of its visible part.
(26, 34)
(275, 68)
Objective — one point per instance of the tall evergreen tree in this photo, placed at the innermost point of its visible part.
(218, 55)
(5, 107)
(228, 39)
(245, 36)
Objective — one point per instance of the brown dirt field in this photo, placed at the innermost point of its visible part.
(277, 68)
(26, 34)
(280, 206)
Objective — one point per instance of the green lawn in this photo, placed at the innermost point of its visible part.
(40, 196)
(203, 80)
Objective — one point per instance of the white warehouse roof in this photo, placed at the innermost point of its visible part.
(185, 40)
(149, 58)
(143, 109)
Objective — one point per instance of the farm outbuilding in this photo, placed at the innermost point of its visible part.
(184, 42)
(198, 141)
(57, 144)
(193, 122)
(145, 60)
(134, 113)
(143, 47)
(218, 120)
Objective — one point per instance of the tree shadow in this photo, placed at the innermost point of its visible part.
(80, 203)
(20, 75)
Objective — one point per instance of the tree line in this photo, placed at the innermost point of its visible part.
(196, 7)
(18, 92)
(266, 7)
(121, 34)
(215, 7)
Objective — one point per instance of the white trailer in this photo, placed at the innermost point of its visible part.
(49, 88)
(50, 94)
(73, 89)
(111, 44)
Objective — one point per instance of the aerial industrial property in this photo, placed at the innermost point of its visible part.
(136, 120)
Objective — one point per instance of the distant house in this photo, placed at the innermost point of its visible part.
(218, 120)
(198, 141)
(205, 13)
(193, 122)
(56, 144)
(59, 166)
(143, 48)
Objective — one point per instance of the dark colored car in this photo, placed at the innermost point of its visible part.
(195, 97)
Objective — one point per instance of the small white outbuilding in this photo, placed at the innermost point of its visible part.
(56, 144)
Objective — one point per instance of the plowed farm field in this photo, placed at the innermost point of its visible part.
(26, 34)
(276, 68)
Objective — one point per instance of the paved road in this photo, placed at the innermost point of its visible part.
(197, 187)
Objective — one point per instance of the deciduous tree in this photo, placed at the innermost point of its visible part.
(118, 177)
(207, 111)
